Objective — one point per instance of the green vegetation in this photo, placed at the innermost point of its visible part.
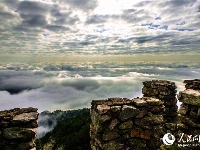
(69, 134)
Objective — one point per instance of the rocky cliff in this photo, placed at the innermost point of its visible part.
(18, 129)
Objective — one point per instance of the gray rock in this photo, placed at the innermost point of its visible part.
(137, 143)
(99, 121)
(189, 96)
(27, 120)
(139, 102)
(110, 135)
(113, 145)
(115, 108)
(150, 120)
(189, 122)
(126, 125)
(154, 102)
(141, 114)
(102, 109)
(183, 110)
(128, 112)
(171, 126)
(113, 124)
(19, 133)
(25, 117)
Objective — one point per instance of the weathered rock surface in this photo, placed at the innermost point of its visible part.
(150, 120)
(113, 145)
(128, 112)
(128, 121)
(192, 84)
(164, 91)
(126, 125)
(140, 123)
(18, 133)
(141, 133)
(189, 96)
(18, 129)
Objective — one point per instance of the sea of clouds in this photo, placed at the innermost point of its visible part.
(73, 86)
(64, 87)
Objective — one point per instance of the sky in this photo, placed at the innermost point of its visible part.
(99, 27)
(62, 54)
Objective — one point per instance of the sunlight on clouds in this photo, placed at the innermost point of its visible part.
(98, 27)
(113, 7)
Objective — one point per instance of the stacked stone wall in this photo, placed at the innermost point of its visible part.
(123, 124)
(192, 84)
(140, 123)
(166, 92)
(189, 112)
(18, 129)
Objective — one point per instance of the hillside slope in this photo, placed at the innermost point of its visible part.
(69, 134)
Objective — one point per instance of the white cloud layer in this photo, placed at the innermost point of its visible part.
(71, 87)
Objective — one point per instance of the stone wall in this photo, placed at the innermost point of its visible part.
(18, 129)
(166, 92)
(123, 124)
(192, 84)
(140, 123)
(190, 111)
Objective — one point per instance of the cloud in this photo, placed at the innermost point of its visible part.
(46, 91)
(129, 28)
(65, 88)
(17, 81)
(81, 4)
(32, 7)
(57, 28)
(6, 15)
(77, 94)
(47, 121)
